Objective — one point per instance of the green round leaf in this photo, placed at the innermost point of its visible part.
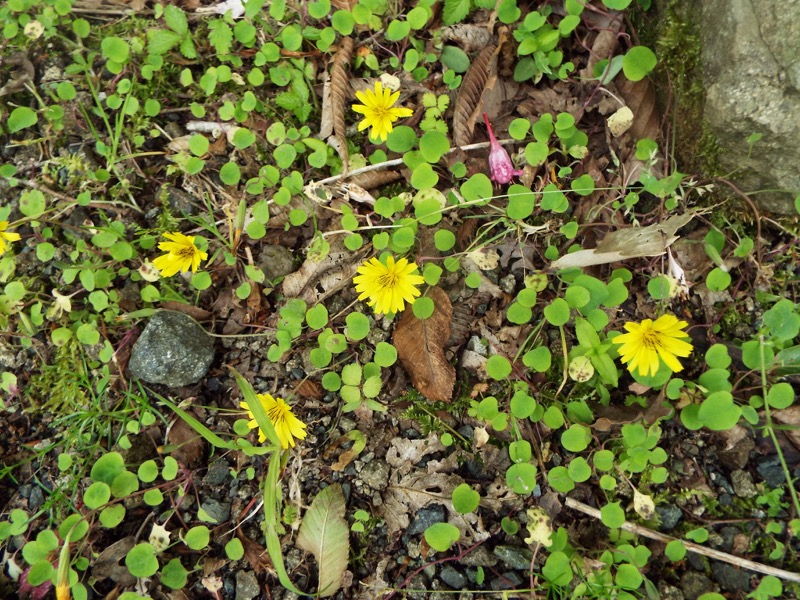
(612, 515)
(638, 63)
(441, 536)
(557, 312)
(141, 560)
(498, 367)
(576, 438)
(521, 478)
(385, 354)
(357, 326)
(234, 549)
(97, 494)
(560, 480)
(21, 117)
(111, 516)
(423, 307)
(465, 499)
(197, 537)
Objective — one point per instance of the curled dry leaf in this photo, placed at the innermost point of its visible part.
(420, 346)
(324, 533)
(481, 75)
(470, 37)
(370, 180)
(338, 97)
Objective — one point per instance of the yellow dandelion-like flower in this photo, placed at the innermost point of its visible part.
(287, 426)
(376, 106)
(650, 340)
(388, 287)
(6, 236)
(181, 255)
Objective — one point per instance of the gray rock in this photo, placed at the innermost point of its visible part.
(479, 557)
(669, 592)
(218, 473)
(743, 484)
(669, 516)
(730, 578)
(770, 469)
(514, 557)
(425, 517)
(695, 584)
(218, 510)
(508, 581)
(173, 350)
(453, 578)
(247, 586)
(275, 262)
(36, 498)
(752, 80)
(375, 474)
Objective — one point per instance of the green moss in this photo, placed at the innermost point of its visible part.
(58, 386)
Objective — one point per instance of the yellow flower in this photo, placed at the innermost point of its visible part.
(388, 287)
(182, 255)
(6, 237)
(650, 340)
(376, 106)
(286, 425)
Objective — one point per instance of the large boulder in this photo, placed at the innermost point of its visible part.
(751, 64)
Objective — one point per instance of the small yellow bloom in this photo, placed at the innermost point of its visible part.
(376, 106)
(650, 340)
(388, 287)
(286, 425)
(6, 237)
(182, 255)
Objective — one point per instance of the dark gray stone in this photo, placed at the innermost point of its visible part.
(514, 557)
(218, 510)
(36, 498)
(669, 516)
(275, 262)
(669, 592)
(770, 469)
(453, 578)
(730, 578)
(425, 517)
(508, 581)
(173, 350)
(752, 79)
(218, 473)
(695, 584)
(479, 557)
(178, 201)
(247, 586)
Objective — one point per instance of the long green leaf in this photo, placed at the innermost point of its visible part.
(208, 435)
(256, 408)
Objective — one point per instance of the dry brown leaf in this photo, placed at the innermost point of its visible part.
(255, 554)
(420, 346)
(339, 86)
(344, 4)
(309, 388)
(197, 313)
(640, 97)
(187, 444)
(468, 104)
(469, 37)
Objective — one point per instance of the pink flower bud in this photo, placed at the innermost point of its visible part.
(501, 169)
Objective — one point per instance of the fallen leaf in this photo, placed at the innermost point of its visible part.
(468, 102)
(338, 96)
(643, 505)
(187, 445)
(640, 97)
(324, 533)
(420, 346)
(540, 527)
(630, 242)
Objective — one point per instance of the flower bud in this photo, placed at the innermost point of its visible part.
(501, 169)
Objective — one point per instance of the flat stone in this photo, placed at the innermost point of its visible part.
(173, 350)
(453, 578)
(275, 262)
(695, 584)
(508, 581)
(425, 517)
(218, 510)
(218, 473)
(375, 474)
(247, 586)
(479, 557)
(730, 578)
(770, 469)
(514, 557)
(743, 484)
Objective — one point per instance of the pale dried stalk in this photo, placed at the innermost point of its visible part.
(709, 552)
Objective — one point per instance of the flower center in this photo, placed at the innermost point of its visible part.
(651, 340)
(388, 280)
(276, 414)
(186, 252)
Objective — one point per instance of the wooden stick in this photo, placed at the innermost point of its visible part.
(709, 552)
